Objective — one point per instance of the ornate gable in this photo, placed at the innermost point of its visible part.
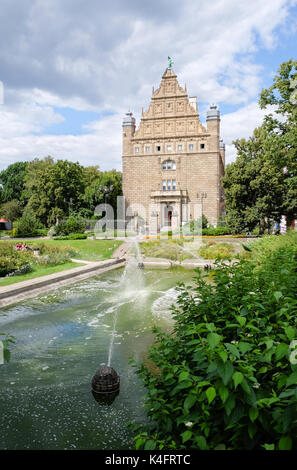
(170, 112)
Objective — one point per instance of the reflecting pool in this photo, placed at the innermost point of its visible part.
(62, 339)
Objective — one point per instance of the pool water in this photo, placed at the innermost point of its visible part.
(62, 339)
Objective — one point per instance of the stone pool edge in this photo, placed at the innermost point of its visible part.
(27, 289)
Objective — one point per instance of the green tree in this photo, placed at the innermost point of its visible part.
(281, 139)
(95, 192)
(254, 185)
(12, 180)
(28, 224)
(55, 188)
(11, 210)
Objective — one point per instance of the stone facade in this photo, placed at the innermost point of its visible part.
(172, 163)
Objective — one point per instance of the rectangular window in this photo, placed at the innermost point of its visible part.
(169, 185)
(164, 167)
(169, 148)
(158, 148)
(169, 165)
(202, 146)
(164, 187)
(173, 165)
(191, 146)
(173, 185)
(179, 147)
(147, 149)
(136, 149)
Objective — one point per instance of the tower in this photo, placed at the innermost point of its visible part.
(171, 159)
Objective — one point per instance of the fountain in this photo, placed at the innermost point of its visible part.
(106, 381)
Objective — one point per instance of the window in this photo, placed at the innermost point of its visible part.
(169, 148)
(168, 185)
(169, 165)
(179, 147)
(147, 149)
(202, 146)
(136, 149)
(191, 146)
(158, 148)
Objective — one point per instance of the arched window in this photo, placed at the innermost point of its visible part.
(169, 165)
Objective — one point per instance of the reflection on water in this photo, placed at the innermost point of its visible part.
(62, 339)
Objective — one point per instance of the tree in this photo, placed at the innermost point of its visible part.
(28, 224)
(281, 139)
(12, 180)
(55, 188)
(254, 186)
(11, 210)
(95, 192)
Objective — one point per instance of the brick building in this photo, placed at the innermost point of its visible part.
(172, 163)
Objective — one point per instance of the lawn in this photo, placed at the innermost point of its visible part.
(37, 271)
(182, 249)
(89, 250)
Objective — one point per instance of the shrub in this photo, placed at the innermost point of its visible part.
(217, 251)
(71, 225)
(216, 231)
(28, 225)
(73, 236)
(227, 376)
(53, 255)
(13, 261)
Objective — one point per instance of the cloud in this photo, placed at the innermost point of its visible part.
(106, 56)
(241, 124)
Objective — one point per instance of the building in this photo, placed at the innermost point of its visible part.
(172, 163)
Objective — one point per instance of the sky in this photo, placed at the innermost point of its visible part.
(71, 69)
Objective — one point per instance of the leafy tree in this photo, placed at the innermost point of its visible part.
(28, 224)
(11, 210)
(95, 192)
(12, 180)
(281, 139)
(254, 185)
(55, 188)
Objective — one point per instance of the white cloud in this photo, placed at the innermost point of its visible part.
(91, 56)
(241, 124)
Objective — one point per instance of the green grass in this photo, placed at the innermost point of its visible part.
(180, 250)
(89, 250)
(217, 250)
(38, 271)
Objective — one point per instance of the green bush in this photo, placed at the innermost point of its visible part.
(216, 231)
(217, 251)
(53, 255)
(13, 261)
(73, 236)
(28, 225)
(227, 376)
(71, 225)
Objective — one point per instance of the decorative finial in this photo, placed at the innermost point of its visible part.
(170, 63)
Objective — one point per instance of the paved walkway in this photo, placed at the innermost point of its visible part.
(32, 287)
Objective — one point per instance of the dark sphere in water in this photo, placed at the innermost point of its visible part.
(106, 399)
(105, 380)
